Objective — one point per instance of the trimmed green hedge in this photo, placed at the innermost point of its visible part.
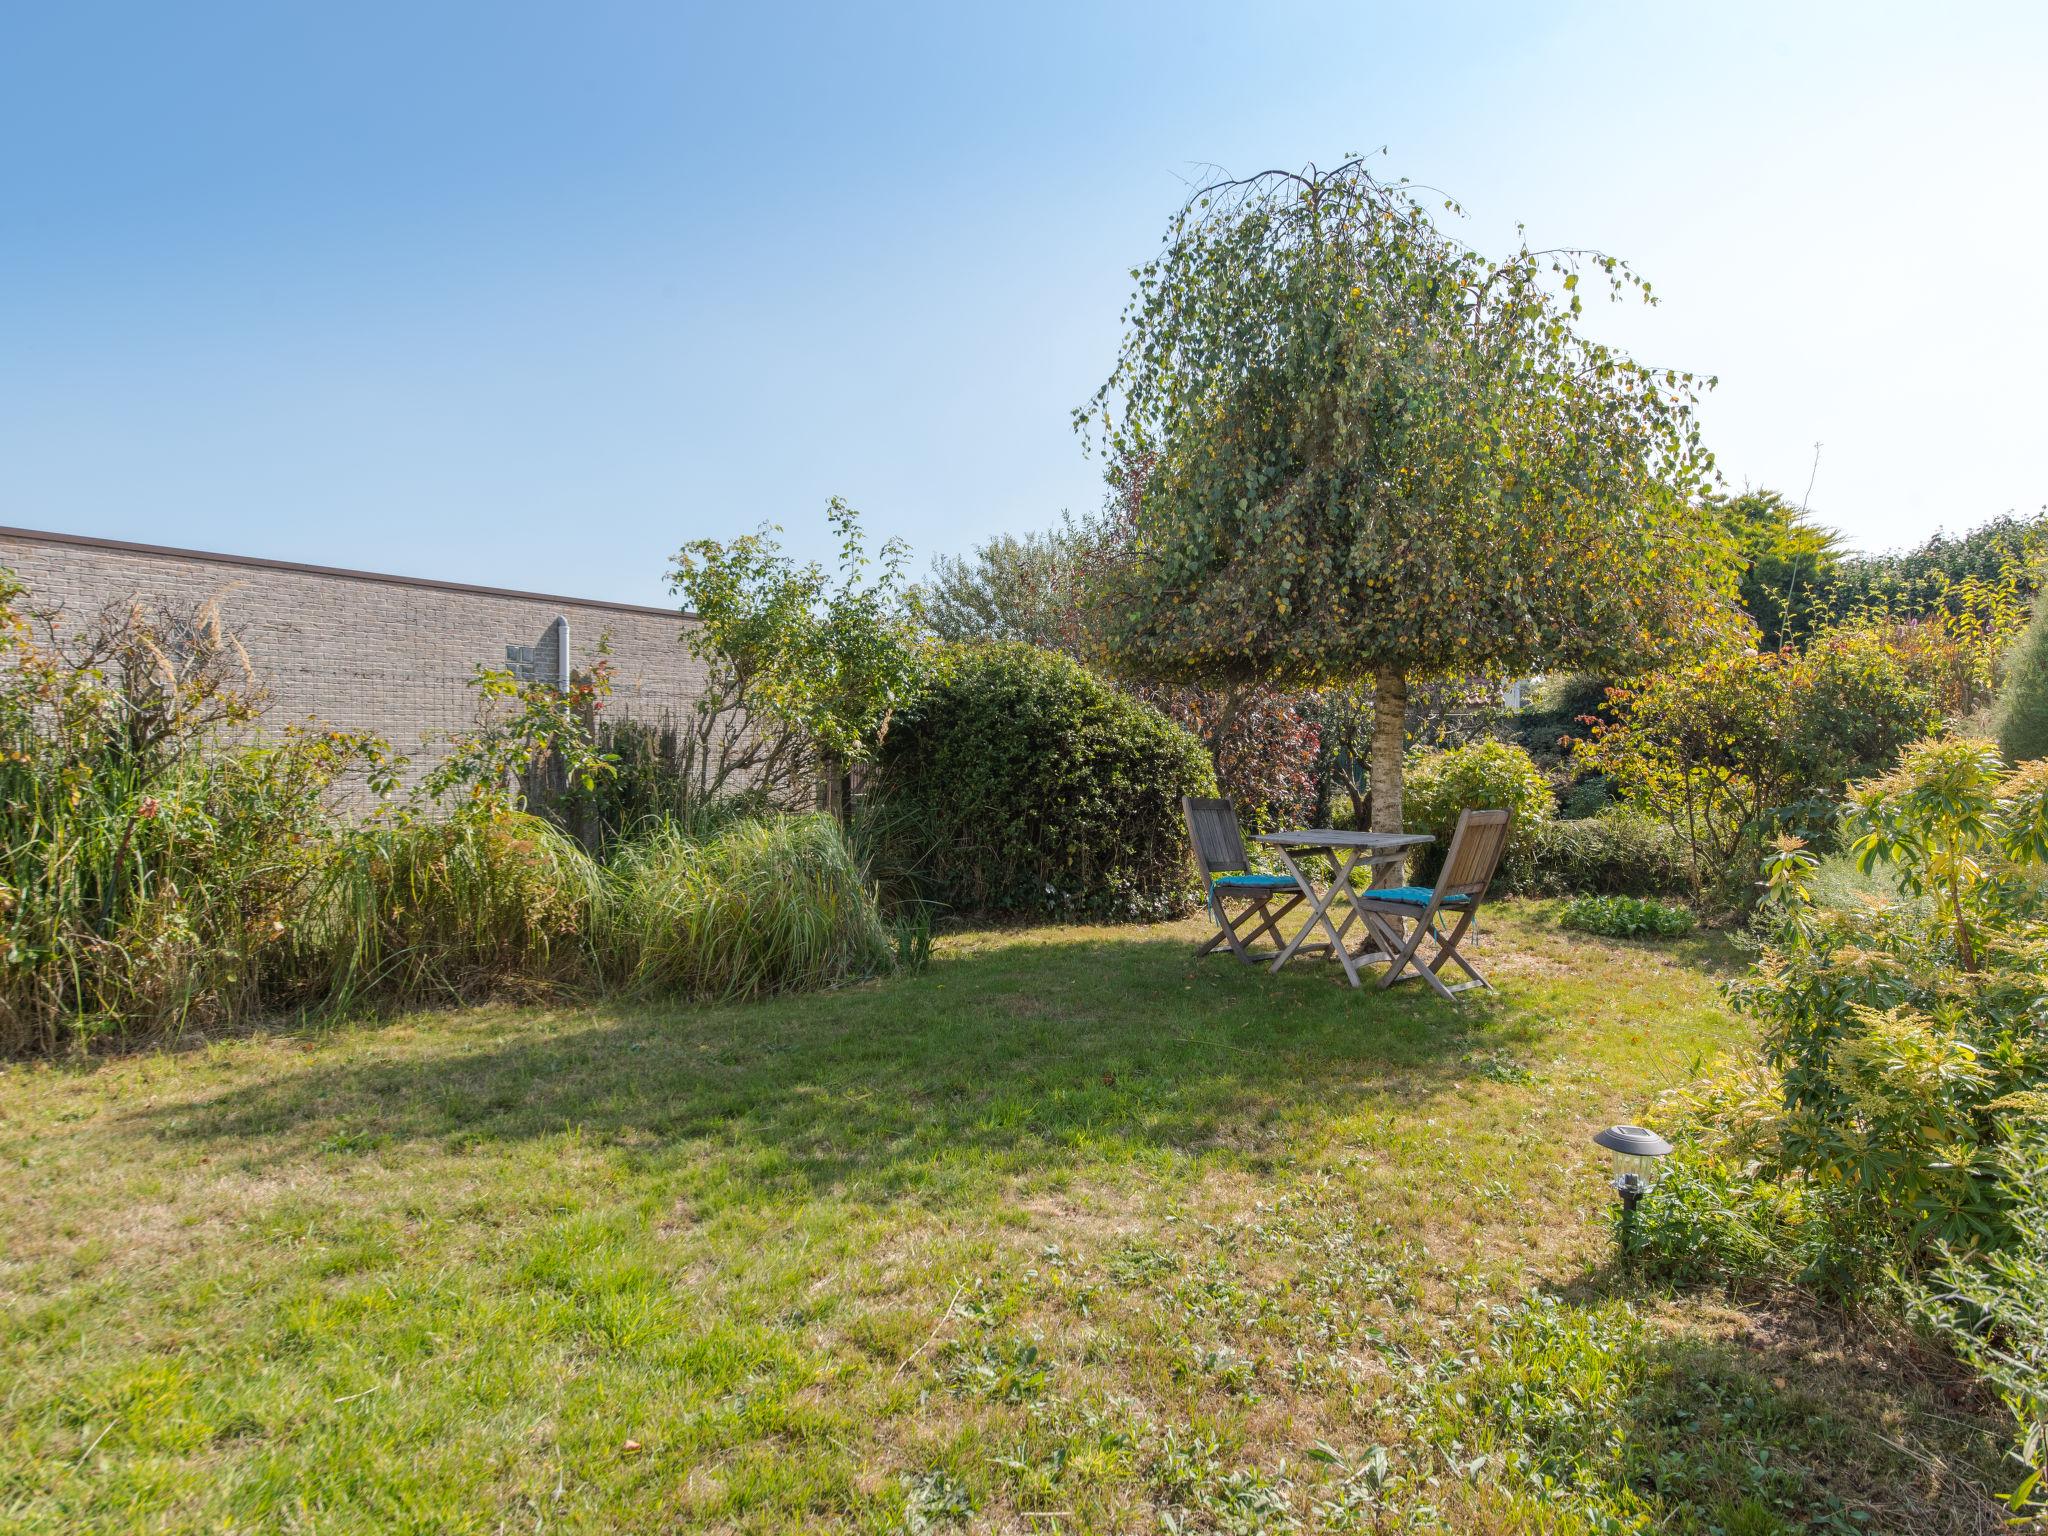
(1617, 853)
(1030, 785)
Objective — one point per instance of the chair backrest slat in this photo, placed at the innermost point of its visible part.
(1475, 851)
(1212, 825)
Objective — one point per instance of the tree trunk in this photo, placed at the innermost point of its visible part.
(1389, 743)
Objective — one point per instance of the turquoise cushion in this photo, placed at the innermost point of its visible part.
(1255, 882)
(1419, 895)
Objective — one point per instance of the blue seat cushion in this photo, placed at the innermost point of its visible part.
(1255, 883)
(1413, 895)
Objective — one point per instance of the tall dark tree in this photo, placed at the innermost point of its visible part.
(1372, 453)
(1788, 566)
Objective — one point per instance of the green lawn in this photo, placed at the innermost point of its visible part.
(1069, 1233)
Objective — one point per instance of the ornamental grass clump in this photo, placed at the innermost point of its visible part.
(448, 911)
(758, 908)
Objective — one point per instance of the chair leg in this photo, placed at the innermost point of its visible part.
(1259, 919)
(1447, 949)
(1406, 961)
(1269, 919)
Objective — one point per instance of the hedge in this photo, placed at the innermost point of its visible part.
(1029, 785)
(1617, 853)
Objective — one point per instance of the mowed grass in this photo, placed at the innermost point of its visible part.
(1070, 1233)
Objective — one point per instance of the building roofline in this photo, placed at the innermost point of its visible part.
(254, 562)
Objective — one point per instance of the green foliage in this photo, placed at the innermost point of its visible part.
(521, 726)
(1558, 710)
(445, 910)
(2023, 700)
(1788, 564)
(1358, 444)
(1013, 588)
(1264, 744)
(647, 782)
(1582, 1419)
(1945, 575)
(1619, 852)
(804, 666)
(1903, 1035)
(1351, 447)
(1716, 749)
(1710, 1219)
(758, 908)
(1479, 776)
(1949, 606)
(1626, 917)
(165, 865)
(1033, 786)
(156, 859)
(1992, 1309)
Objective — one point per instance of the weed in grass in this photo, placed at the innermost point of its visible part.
(932, 1501)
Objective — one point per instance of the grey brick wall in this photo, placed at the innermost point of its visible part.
(359, 651)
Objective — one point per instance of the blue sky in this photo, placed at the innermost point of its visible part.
(528, 295)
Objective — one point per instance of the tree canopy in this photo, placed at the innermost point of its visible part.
(803, 666)
(1788, 566)
(1355, 447)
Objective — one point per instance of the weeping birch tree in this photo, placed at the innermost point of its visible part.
(1356, 449)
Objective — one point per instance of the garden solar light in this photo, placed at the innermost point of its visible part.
(1638, 1160)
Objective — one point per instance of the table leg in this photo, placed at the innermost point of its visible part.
(1376, 927)
(1320, 914)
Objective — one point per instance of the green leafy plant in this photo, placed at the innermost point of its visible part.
(1992, 1308)
(1619, 852)
(1716, 749)
(1264, 743)
(1029, 785)
(168, 863)
(521, 728)
(1626, 917)
(158, 854)
(804, 666)
(1902, 1032)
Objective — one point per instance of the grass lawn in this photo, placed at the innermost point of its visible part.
(1069, 1233)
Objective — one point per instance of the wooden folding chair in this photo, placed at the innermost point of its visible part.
(1468, 870)
(1227, 874)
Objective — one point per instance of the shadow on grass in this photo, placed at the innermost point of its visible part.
(1784, 1415)
(1012, 1051)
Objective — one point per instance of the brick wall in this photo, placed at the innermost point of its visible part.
(385, 654)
